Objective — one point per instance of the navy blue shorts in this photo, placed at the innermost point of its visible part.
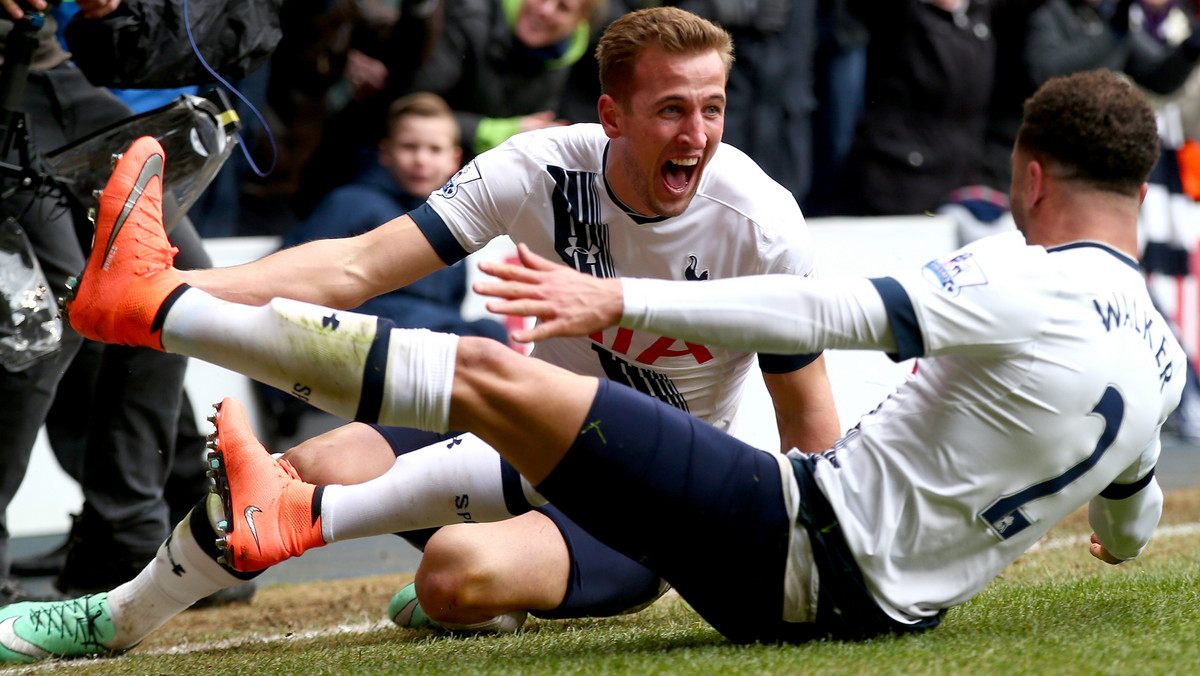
(601, 583)
(702, 509)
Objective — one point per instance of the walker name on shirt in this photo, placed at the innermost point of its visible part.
(1122, 312)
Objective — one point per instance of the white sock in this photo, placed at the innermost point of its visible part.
(508, 623)
(178, 576)
(455, 481)
(331, 359)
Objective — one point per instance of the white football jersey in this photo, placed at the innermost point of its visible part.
(1050, 374)
(547, 189)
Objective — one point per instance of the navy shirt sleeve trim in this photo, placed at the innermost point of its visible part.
(785, 363)
(434, 228)
(1122, 491)
(903, 319)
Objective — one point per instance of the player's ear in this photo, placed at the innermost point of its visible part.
(1035, 183)
(1142, 194)
(610, 115)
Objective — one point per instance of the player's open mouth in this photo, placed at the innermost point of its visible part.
(677, 173)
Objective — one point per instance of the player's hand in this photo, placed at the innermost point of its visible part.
(566, 302)
(97, 9)
(1101, 553)
(17, 10)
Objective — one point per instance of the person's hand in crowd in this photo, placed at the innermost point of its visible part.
(97, 9)
(367, 76)
(17, 9)
(541, 120)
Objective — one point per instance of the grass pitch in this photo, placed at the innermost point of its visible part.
(1056, 610)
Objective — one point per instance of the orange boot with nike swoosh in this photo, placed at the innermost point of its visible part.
(129, 272)
(270, 515)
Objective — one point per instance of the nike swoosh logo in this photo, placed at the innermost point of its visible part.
(250, 522)
(153, 167)
(10, 641)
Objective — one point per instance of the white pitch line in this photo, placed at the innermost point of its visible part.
(337, 630)
(1178, 530)
(187, 648)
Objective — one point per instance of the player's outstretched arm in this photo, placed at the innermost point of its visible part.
(566, 302)
(783, 314)
(341, 273)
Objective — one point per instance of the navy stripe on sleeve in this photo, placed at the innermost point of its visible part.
(434, 228)
(1122, 491)
(785, 363)
(902, 317)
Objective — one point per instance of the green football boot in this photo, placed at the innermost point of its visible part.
(34, 631)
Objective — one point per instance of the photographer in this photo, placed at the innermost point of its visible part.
(126, 406)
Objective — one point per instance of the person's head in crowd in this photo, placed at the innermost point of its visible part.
(544, 23)
(1090, 133)
(662, 77)
(421, 149)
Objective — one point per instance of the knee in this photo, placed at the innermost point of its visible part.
(454, 573)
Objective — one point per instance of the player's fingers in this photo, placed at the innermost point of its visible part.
(1098, 550)
(507, 271)
(543, 330)
(534, 261)
(522, 307)
(510, 290)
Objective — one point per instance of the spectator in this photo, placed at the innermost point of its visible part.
(1069, 36)
(840, 70)
(502, 66)
(929, 80)
(418, 155)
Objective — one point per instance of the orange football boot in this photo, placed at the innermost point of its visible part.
(270, 515)
(129, 272)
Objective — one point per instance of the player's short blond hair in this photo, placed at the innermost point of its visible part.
(669, 29)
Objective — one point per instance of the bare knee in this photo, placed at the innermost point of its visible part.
(350, 454)
(472, 572)
(454, 573)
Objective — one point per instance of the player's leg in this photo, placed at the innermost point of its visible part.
(486, 576)
(697, 506)
(351, 454)
(489, 576)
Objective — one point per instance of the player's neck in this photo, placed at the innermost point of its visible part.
(1094, 217)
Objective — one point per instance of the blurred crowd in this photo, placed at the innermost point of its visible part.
(858, 107)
